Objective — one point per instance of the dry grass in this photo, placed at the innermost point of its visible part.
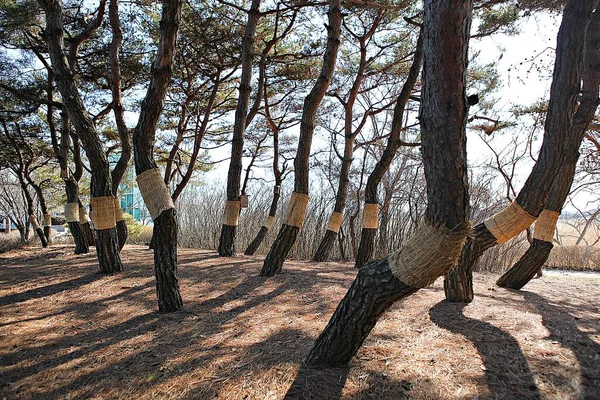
(66, 332)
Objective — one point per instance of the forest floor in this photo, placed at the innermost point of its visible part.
(67, 332)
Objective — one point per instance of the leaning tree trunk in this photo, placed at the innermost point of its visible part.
(537, 254)
(47, 225)
(150, 181)
(436, 244)
(80, 237)
(229, 227)
(369, 227)
(264, 229)
(101, 188)
(526, 208)
(297, 207)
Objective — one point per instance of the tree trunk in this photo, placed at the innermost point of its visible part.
(527, 267)
(287, 234)
(165, 218)
(122, 233)
(227, 239)
(537, 254)
(367, 239)
(373, 291)
(106, 244)
(559, 148)
(283, 243)
(366, 247)
(325, 246)
(165, 254)
(255, 244)
(443, 121)
(77, 230)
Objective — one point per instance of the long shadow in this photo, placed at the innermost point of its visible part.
(564, 328)
(49, 290)
(506, 369)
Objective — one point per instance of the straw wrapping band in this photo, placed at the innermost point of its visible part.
(546, 225)
(269, 222)
(370, 216)
(297, 210)
(47, 220)
(335, 222)
(72, 212)
(154, 192)
(83, 216)
(427, 254)
(509, 222)
(103, 212)
(34, 222)
(232, 213)
(118, 210)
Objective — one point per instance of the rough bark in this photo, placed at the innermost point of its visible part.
(227, 239)
(373, 291)
(325, 246)
(555, 147)
(367, 239)
(165, 254)
(77, 230)
(443, 120)
(537, 254)
(287, 234)
(255, 244)
(165, 224)
(528, 266)
(122, 233)
(107, 246)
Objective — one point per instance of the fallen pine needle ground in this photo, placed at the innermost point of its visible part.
(67, 332)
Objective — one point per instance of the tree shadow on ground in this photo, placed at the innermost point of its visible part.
(507, 371)
(48, 290)
(565, 329)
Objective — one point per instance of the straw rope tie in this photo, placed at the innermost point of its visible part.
(154, 192)
(427, 254)
(297, 210)
(509, 222)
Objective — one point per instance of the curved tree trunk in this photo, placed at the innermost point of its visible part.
(563, 133)
(227, 238)
(534, 258)
(326, 246)
(287, 234)
(106, 243)
(528, 265)
(79, 235)
(262, 233)
(165, 218)
(367, 238)
(122, 233)
(443, 121)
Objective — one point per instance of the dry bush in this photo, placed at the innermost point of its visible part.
(580, 258)
(10, 241)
